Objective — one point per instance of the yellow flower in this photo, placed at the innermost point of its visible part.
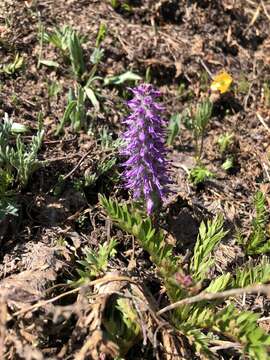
(221, 82)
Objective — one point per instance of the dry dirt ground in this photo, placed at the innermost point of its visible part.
(176, 42)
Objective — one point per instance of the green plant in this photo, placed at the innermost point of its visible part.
(228, 163)
(225, 141)
(75, 112)
(7, 202)
(197, 123)
(17, 163)
(204, 321)
(204, 81)
(258, 242)
(96, 263)
(106, 140)
(116, 4)
(120, 79)
(209, 237)
(173, 128)
(54, 88)
(13, 67)
(100, 35)
(21, 159)
(76, 54)
(199, 174)
(104, 168)
(78, 113)
(200, 121)
(174, 125)
(69, 43)
(250, 274)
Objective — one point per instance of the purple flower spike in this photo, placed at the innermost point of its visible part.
(146, 173)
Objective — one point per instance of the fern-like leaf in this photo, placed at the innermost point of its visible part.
(209, 237)
(258, 242)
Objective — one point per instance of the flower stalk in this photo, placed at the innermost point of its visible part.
(146, 167)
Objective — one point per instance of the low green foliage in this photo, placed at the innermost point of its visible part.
(120, 79)
(209, 237)
(105, 137)
(225, 141)
(197, 123)
(20, 159)
(76, 54)
(203, 321)
(123, 5)
(258, 242)
(15, 66)
(199, 174)
(173, 128)
(17, 163)
(200, 121)
(75, 112)
(122, 322)
(7, 202)
(70, 44)
(95, 263)
(150, 239)
(250, 274)
(228, 164)
(54, 88)
(104, 169)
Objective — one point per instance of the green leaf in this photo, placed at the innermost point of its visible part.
(259, 242)
(92, 97)
(199, 174)
(17, 128)
(70, 107)
(250, 274)
(173, 128)
(219, 284)
(101, 34)
(49, 63)
(209, 237)
(120, 79)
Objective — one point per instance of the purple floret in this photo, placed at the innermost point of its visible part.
(146, 167)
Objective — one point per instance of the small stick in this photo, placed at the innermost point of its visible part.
(264, 289)
(263, 122)
(265, 10)
(72, 291)
(76, 167)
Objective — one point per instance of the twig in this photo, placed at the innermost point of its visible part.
(206, 68)
(76, 167)
(263, 122)
(265, 10)
(264, 289)
(91, 283)
(265, 318)
(61, 158)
